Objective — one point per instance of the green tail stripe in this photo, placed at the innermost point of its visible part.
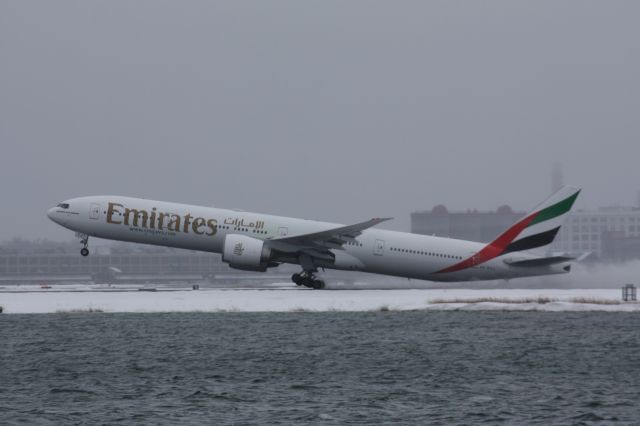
(555, 210)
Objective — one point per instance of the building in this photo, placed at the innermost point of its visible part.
(137, 265)
(24, 260)
(609, 233)
(471, 225)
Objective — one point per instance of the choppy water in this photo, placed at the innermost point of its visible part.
(324, 368)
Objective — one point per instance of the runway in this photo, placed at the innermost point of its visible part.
(287, 298)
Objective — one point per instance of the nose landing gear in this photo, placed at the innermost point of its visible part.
(308, 279)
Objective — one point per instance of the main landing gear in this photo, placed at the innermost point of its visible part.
(84, 239)
(308, 279)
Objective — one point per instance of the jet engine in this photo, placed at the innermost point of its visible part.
(246, 253)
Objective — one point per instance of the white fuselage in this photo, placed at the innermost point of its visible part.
(205, 228)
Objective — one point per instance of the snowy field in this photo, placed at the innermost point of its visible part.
(288, 299)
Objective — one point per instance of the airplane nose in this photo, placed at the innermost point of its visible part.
(52, 214)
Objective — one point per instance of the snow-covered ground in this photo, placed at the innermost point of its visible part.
(288, 299)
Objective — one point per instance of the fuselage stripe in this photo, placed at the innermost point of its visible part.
(533, 241)
(493, 250)
(505, 242)
(555, 210)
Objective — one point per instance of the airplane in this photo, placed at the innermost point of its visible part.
(257, 242)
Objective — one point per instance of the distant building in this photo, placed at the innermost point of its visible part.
(470, 225)
(28, 260)
(610, 233)
(137, 264)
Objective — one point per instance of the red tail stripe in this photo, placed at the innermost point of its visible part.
(493, 249)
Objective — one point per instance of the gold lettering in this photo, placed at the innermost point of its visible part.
(187, 219)
(212, 224)
(197, 224)
(161, 217)
(136, 216)
(174, 223)
(152, 219)
(111, 210)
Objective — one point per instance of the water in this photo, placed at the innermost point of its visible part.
(321, 368)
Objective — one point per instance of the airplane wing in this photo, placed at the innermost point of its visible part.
(324, 240)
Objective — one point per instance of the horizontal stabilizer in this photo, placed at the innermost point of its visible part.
(541, 261)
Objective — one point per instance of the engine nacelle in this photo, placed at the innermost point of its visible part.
(246, 253)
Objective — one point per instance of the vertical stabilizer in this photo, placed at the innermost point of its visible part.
(538, 229)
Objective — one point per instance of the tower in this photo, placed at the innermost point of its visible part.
(557, 177)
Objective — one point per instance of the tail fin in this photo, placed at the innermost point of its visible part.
(537, 229)
(540, 227)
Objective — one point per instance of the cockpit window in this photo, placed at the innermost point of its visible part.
(63, 205)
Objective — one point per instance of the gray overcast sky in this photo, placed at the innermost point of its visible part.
(335, 110)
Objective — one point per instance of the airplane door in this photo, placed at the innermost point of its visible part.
(378, 247)
(283, 231)
(94, 213)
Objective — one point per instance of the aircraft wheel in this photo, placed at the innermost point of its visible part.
(318, 284)
(297, 278)
(84, 251)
